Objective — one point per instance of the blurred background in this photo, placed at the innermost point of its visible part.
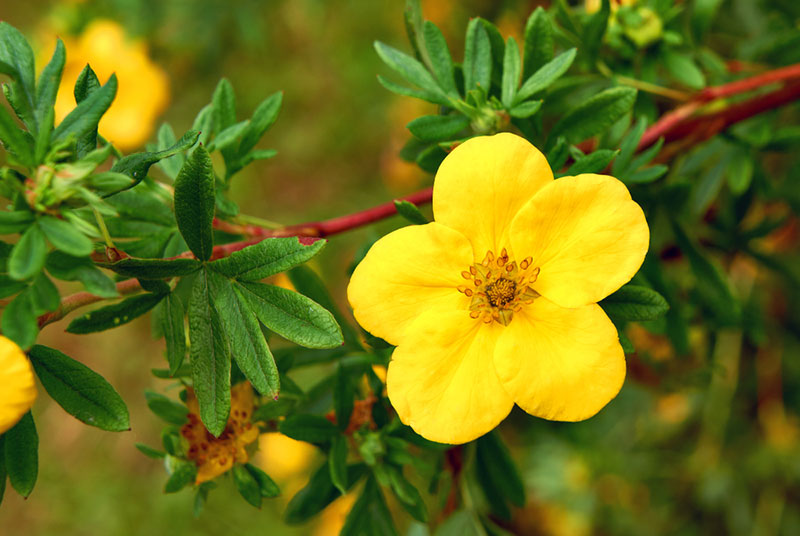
(686, 448)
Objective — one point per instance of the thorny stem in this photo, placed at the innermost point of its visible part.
(679, 125)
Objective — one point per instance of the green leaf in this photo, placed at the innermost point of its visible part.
(511, 73)
(174, 332)
(634, 302)
(337, 462)
(43, 295)
(16, 53)
(594, 31)
(274, 409)
(166, 408)
(437, 127)
(308, 283)
(247, 342)
(82, 393)
(410, 212)
(86, 84)
(494, 458)
(369, 514)
(154, 268)
(594, 162)
(47, 88)
(247, 485)
(209, 353)
(318, 493)
(228, 137)
(525, 109)
(112, 316)
(412, 70)
(65, 237)
(266, 485)
(309, 428)
(683, 68)
(439, 54)
(740, 172)
(14, 139)
(204, 123)
(407, 494)
(9, 287)
(646, 175)
(84, 118)
(29, 254)
(546, 75)
(194, 203)
(166, 138)
(137, 165)
(15, 221)
(343, 397)
(461, 523)
(68, 268)
(224, 105)
(22, 454)
(263, 117)
(477, 65)
(595, 115)
(19, 321)
(184, 473)
(538, 45)
(150, 452)
(628, 148)
(266, 258)
(292, 315)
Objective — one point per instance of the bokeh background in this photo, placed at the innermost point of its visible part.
(686, 448)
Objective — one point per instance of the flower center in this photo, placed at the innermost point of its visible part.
(499, 287)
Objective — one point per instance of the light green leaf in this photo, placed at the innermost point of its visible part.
(595, 115)
(166, 408)
(538, 46)
(410, 212)
(46, 89)
(263, 117)
(683, 68)
(194, 203)
(439, 54)
(247, 485)
(546, 75)
(438, 127)
(65, 237)
(29, 254)
(477, 65)
(410, 69)
(525, 109)
(19, 321)
(511, 73)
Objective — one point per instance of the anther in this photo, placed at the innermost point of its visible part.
(478, 282)
(510, 268)
(466, 275)
(474, 314)
(526, 262)
(473, 270)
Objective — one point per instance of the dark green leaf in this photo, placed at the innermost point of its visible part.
(68, 268)
(274, 409)
(343, 397)
(210, 357)
(15, 221)
(263, 117)
(137, 165)
(16, 53)
(267, 486)
(166, 138)
(740, 172)
(337, 462)
(477, 57)
(538, 47)
(438, 127)
(224, 105)
(82, 393)
(247, 485)
(266, 258)
(22, 454)
(85, 117)
(9, 287)
(14, 139)
(369, 514)
(174, 332)
(166, 408)
(309, 428)
(43, 295)
(318, 493)
(595, 29)
(19, 321)
(628, 148)
(646, 175)
(594, 162)
(293, 316)
(494, 457)
(194, 203)
(183, 474)
(86, 84)
(439, 54)
(408, 495)
(29, 254)
(248, 345)
(683, 68)
(525, 109)
(545, 75)
(154, 268)
(410, 212)
(47, 87)
(114, 315)
(65, 236)
(634, 302)
(595, 115)
(511, 73)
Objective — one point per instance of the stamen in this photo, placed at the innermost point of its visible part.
(527, 261)
(466, 275)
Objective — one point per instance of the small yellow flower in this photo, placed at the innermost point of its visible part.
(17, 387)
(496, 301)
(143, 86)
(216, 455)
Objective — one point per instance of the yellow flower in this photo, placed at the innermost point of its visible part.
(496, 301)
(216, 455)
(17, 387)
(143, 86)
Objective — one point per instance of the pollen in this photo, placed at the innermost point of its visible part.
(501, 287)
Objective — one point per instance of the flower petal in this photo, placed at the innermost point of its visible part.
(586, 235)
(19, 387)
(560, 364)
(483, 183)
(441, 379)
(406, 273)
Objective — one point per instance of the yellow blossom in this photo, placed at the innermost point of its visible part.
(17, 387)
(216, 455)
(143, 86)
(495, 302)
